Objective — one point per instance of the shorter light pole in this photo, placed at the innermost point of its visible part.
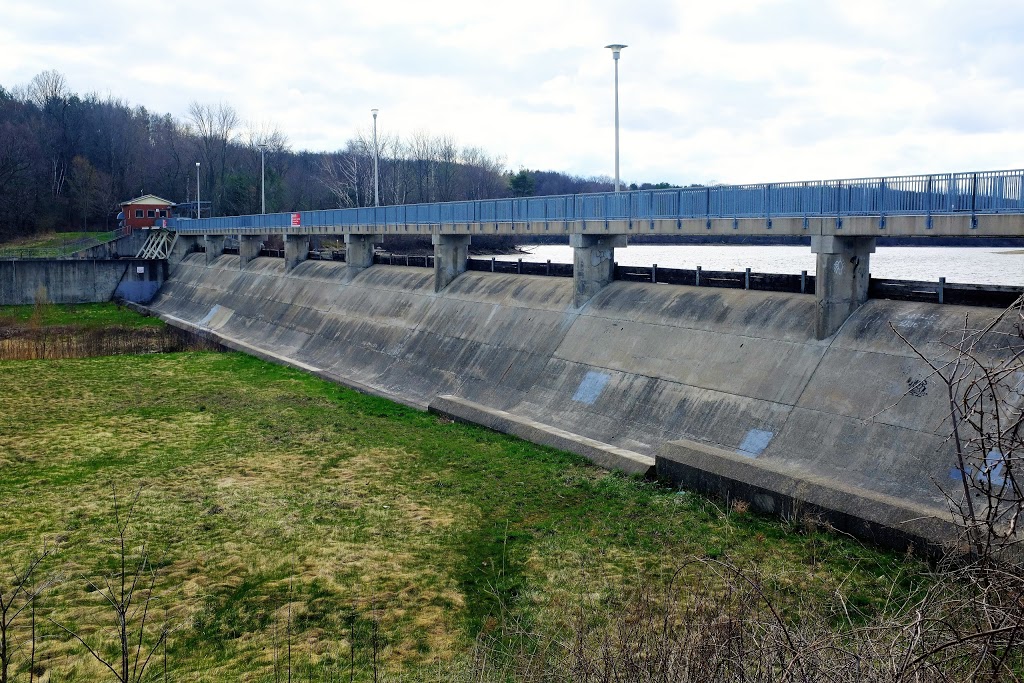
(376, 181)
(198, 214)
(616, 49)
(263, 180)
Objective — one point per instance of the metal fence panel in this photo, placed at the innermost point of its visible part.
(936, 194)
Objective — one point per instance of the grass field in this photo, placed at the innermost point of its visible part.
(280, 509)
(49, 242)
(81, 315)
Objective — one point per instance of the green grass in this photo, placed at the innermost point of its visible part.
(81, 315)
(52, 240)
(265, 488)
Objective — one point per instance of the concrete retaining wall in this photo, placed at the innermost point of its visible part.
(125, 247)
(78, 281)
(640, 366)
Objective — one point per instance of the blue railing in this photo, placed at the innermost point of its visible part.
(986, 192)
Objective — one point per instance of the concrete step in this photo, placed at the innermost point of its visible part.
(601, 454)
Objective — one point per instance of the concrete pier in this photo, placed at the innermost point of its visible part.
(248, 248)
(214, 247)
(842, 279)
(593, 264)
(359, 251)
(451, 253)
(296, 250)
(183, 246)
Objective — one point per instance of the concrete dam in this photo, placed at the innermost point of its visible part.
(723, 390)
(798, 404)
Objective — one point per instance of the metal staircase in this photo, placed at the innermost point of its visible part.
(158, 245)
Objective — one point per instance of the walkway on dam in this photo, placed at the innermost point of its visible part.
(974, 203)
(843, 218)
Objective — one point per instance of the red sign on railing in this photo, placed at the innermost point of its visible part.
(295, 220)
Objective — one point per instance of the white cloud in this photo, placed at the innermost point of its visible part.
(733, 91)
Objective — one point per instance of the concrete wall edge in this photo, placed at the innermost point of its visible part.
(604, 455)
(865, 514)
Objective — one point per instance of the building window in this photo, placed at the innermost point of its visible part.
(163, 213)
(138, 213)
(151, 214)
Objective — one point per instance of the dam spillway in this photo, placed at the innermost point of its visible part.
(651, 370)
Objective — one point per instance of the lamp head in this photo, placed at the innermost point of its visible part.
(374, 112)
(616, 49)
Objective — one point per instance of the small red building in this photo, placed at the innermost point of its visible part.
(145, 211)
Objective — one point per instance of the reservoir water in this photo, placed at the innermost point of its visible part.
(967, 265)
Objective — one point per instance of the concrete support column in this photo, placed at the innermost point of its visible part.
(296, 250)
(214, 247)
(451, 253)
(593, 264)
(248, 248)
(359, 251)
(841, 285)
(183, 246)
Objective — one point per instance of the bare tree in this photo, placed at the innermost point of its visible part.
(19, 591)
(128, 592)
(216, 130)
(981, 369)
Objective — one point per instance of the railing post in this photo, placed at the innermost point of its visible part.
(974, 198)
(697, 283)
(928, 203)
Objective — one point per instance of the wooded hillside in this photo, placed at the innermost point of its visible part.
(67, 161)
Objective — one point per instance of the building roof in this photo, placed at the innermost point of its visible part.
(147, 199)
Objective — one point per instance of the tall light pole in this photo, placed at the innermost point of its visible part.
(616, 49)
(376, 182)
(263, 180)
(198, 205)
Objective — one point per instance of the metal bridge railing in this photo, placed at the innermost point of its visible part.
(988, 192)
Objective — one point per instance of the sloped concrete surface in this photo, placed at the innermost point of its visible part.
(639, 366)
(608, 457)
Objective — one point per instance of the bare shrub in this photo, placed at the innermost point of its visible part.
(21, 586)
(59, 342)
(128, 594)
(982, 371)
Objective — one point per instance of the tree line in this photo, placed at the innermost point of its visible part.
(67, 160)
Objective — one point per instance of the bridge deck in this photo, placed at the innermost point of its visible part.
(951, 204)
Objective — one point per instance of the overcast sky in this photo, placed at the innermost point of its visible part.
(731, 90)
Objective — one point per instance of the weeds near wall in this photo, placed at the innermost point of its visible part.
(38, 338)
(715, 621)
(55, 343)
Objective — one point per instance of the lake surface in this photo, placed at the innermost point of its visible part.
(968, 265)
